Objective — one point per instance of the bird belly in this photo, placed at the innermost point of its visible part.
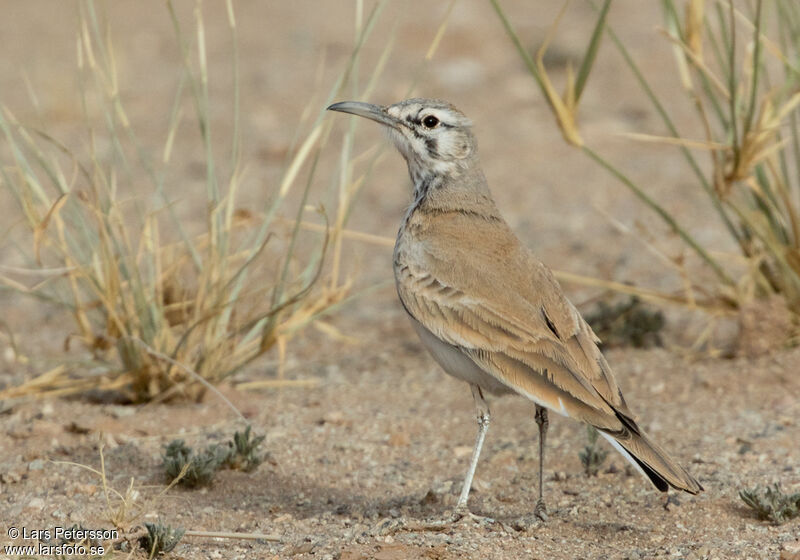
(456, 363)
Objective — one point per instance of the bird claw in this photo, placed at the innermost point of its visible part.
(671, 500)
(541, 510)
(459, 516)
(462, 514)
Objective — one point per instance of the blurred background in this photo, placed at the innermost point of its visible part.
(289, 57)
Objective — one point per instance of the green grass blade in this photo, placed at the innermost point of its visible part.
(788, 281)
(770, 207)
(754, 81)
(674, 131)
(591, 51)
(725, 36)
(523, 52)
(732, 89)
(674, 28)
(278, 292)
(666, 216)
(717, 48)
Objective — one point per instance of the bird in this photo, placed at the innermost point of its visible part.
(486, 309)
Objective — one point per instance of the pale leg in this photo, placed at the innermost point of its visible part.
(543, 422)
(483, 426)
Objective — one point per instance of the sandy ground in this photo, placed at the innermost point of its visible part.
(380, 444)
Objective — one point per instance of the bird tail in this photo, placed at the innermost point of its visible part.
(650, 460)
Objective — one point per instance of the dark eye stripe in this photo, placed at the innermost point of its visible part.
(416, 121)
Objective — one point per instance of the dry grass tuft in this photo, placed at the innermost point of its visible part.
(740, 68)
(154, 306)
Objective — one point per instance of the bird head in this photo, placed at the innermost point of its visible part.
(434, 137)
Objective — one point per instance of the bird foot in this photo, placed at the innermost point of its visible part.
(541, 510)
(460, 516)
(525, 523)
(671, 500)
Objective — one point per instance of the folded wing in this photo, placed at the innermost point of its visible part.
(523, 332)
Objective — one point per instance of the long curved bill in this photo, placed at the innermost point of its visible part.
(366, 110)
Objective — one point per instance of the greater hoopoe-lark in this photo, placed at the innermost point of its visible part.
(485, 308)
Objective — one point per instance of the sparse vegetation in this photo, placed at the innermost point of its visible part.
(193, 469)
(243, 451)
(139, 316)
(592, 456)
(123, 508)
(160, 538)
(771, 503)
(739, 65)
(154, 302)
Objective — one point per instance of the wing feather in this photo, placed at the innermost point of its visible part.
(524, 331)
(488, 298)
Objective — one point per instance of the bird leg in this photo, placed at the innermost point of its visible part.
(543, 422)
(461, 513)
(483, 426)
(670, 499)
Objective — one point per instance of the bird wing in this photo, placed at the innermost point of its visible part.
(469, 282)
(486, 294)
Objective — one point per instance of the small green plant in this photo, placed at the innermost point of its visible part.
(771, 503)
(193, 469)
(592, 457)
(243, 451)
(160, 538)
(626, 323)
(190, 468)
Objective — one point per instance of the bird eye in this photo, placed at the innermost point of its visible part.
(430, 121)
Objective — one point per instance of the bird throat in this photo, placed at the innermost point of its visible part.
(424, 184)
